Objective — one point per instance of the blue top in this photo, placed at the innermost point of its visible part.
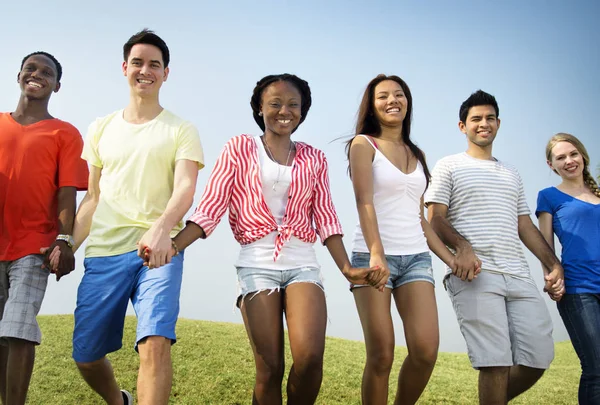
(577, 225)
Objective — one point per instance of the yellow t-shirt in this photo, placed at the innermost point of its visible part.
(138, 164)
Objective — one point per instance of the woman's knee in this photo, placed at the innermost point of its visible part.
(424, 356)
(381, 360)
(270, 369)
(309, 362)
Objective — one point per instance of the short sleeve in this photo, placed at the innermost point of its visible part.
(522, 207)
(543, 204)
(189, 146)
(72, 169)
(440, 187)
(90, 146)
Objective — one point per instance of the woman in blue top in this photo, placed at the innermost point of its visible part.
(571, 210)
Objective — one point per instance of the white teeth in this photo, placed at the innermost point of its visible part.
(393, 110)
(285, 121)
(34, 84)
(145, 81)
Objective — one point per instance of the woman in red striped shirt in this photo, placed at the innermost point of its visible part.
(275, 189)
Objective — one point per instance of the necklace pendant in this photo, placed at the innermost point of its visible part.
(274, 184)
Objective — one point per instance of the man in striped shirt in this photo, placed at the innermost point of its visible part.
(477, 206)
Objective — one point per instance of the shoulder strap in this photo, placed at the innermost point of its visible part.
(371, 140)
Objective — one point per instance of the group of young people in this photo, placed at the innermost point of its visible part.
(141, 172)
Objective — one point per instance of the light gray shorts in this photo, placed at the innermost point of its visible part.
(503, 319)
(22, 287)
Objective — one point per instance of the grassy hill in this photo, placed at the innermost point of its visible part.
(213, 365)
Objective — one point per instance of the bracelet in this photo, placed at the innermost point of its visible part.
(174, 246)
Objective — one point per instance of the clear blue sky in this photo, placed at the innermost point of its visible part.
(539, 58)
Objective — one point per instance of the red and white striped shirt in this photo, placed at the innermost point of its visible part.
(235, 184)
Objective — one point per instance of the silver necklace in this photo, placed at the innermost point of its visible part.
(287, 160)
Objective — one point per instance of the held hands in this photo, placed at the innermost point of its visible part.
(365, 276)
(58, 258)
(554, 283)
(380, 272)
(465, 265)
(155, 248)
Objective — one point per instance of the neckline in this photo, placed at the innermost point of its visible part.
(32, 124)
(492, 160)
(396, 167)
(371, 141)
(260, 146)
(575, 198)
(122, 118)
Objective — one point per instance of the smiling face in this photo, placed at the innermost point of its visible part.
(145, 70)
(38, 78)
(280, 107)
(389, 103)
(481, 125)
(567, 161)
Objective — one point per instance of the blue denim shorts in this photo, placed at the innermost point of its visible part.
(403, 269)
(107, 285)
(253, 281)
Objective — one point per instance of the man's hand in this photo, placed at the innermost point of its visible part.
(467, 264)
(58, 258)
(155, 247)
(554, 283)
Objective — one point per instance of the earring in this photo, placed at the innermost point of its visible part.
(260, 113)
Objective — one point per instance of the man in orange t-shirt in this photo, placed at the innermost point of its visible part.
(40, 173)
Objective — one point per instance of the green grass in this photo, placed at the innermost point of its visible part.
(213, 365)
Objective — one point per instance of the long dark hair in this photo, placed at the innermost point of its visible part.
(368, 124)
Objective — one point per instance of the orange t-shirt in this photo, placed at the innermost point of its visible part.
(35, 161)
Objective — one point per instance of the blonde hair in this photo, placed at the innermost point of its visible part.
(588, 179)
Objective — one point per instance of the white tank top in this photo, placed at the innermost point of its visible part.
(276, 180)
(397, 202)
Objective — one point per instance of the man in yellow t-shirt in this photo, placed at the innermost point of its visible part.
(144, 163)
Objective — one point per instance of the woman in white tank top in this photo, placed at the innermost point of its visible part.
(390, 175)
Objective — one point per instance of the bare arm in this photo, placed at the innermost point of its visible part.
(467, 264)
(157, 239)
(361, 167)
(83, 220)
(434, 242)
(535, 242)
(545, 221)
(63, 263)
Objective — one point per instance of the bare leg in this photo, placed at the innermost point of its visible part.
(376, 320)
(306, 315)
(263, 318)
(156, 371)
(521, 378)
(19, 366)
(100, 377)
(3, 374)
(493, 385)
(417, 307)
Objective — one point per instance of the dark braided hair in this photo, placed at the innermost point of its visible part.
(368, 124)
(51, 57)
(262, 84)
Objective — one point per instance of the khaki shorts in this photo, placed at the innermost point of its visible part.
(22, 288)
(503, 319)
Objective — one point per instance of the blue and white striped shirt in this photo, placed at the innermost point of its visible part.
(484, 199)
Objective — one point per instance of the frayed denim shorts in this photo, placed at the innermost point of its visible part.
(253, 280)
